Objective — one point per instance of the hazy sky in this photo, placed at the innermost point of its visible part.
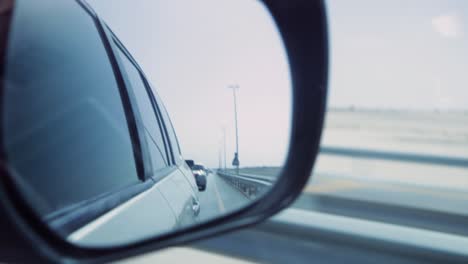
(399, 53)
(384, 54)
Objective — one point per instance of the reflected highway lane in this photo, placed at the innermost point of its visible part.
(219, 198)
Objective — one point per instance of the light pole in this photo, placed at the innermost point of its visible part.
(224, 146)
(235, 161)
(220, 163)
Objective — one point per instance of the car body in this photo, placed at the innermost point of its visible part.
(117, 111)
(200, 176)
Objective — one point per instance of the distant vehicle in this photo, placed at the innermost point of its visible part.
(205, 169)
(199, 173)
(190, 163)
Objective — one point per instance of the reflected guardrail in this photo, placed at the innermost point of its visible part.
(250, 185)
(395, 156)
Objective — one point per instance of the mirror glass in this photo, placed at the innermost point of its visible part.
(125, 120)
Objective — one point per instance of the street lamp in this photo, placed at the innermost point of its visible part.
(220, 155)
(235, 161)
(224, 146)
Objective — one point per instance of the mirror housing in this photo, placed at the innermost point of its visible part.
(302, 25)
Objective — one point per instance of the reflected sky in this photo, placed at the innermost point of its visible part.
(192, 51)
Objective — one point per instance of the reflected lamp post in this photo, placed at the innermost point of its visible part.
(224, 146)
(235, 161)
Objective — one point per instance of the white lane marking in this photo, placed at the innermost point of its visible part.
(218, 197)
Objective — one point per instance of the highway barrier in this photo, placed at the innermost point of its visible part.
(395, 156)
(250, 185)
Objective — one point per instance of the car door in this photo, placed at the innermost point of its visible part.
(176, 150)
(183, 178)
(177, 189)
(161, 142)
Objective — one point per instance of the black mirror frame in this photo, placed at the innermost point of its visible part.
(303, 27)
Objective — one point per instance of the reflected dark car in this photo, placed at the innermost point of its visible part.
(190, 163)
(199, 173)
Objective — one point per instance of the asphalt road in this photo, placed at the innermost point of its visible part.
(219, 198)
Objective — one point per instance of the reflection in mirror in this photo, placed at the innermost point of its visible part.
(148, 117)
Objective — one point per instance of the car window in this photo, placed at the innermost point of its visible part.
(170, 130)
(66, 118)
(153, 131)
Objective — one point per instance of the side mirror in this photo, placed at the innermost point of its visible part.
(99, 110)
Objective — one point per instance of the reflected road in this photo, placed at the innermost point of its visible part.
(219, 198)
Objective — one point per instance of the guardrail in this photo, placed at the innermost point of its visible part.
(250, 185)
(395, 156)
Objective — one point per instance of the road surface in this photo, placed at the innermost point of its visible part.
(219, 198)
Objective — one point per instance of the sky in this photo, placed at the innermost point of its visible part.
(392, 54)
(400, 54)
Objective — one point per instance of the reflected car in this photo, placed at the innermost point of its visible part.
(190, 163)
(200, 176)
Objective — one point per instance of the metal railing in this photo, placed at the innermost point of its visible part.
(250, 185)
(395, 156)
